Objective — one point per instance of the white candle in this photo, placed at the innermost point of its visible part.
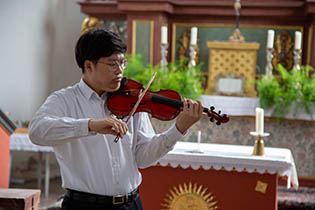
(164, 35)
(270, 39)
(198, 140)
(297, 42)
(193, 36)
(199, 137)
(259, 120)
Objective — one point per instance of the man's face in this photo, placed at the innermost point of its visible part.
(106, 74)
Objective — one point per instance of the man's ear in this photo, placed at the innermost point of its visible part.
(88, 65)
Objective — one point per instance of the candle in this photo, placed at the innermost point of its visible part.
(259, 120)
(198, 140)
(297, 42)
(270, 39)
(199, 137)
(164, 35)
(193, 36)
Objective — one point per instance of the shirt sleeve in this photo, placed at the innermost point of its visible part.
(50, 127)
(150, 146)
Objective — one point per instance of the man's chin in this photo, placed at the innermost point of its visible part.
(114, 88)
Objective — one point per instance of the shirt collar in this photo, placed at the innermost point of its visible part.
(89, 92)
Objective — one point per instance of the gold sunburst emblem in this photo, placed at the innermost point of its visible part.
(189, 197)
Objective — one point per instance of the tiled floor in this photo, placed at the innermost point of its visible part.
(55, 192)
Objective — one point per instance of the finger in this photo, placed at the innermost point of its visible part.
(111, 122)
(185, 103)
(200, 107)
(110, 131)
(118, 124)
(115, 127)
(125, 127)
(192, 107)
(121, 131)
(196, 108)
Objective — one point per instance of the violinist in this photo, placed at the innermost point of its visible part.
(98, 173)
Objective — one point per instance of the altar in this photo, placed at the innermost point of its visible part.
(221, 177)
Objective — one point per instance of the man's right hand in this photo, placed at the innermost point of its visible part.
(108, 126)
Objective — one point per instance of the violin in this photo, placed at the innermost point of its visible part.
(164, 104)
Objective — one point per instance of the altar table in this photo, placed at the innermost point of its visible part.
(223, 176)
(21, 142)
(245, 106)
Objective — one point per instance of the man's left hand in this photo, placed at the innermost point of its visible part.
(192, 113)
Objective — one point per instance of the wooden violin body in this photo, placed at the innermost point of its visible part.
(164, 104)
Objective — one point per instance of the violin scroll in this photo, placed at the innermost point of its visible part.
(215, 116)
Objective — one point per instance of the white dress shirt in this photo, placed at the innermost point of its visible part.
(95, 163)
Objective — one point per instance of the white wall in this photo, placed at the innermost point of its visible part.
(37, 39)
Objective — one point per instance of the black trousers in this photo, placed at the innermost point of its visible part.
(69, 204)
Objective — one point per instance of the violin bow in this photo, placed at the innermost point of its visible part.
(137, 104)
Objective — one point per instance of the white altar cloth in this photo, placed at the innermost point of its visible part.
(229, 157)
(21, 142)
(244, 106)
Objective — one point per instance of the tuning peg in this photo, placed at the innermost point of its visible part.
(219, 112)
(212, 108)
(218, 122)
(212, 119)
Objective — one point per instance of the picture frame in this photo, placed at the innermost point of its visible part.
(229, 85)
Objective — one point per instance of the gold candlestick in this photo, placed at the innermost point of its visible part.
(259, 146)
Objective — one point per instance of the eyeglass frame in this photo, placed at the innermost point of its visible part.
(116, 65)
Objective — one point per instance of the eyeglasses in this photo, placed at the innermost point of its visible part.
(116, 65)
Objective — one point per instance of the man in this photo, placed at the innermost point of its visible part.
(97, 172)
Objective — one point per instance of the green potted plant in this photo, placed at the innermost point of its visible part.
(291, 89)
(187, 81)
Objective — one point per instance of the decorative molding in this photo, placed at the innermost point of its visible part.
(261, 187)
(188, 195)
(174, 25)
(89, 23)
(289, 8)
(309, 44)
(238, 59)
(133, 44)
(260, 14)
(283, 53)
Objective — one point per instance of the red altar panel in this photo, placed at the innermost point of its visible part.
(4, 157)
(232, 190)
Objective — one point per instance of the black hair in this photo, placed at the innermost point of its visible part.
(95, 44)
